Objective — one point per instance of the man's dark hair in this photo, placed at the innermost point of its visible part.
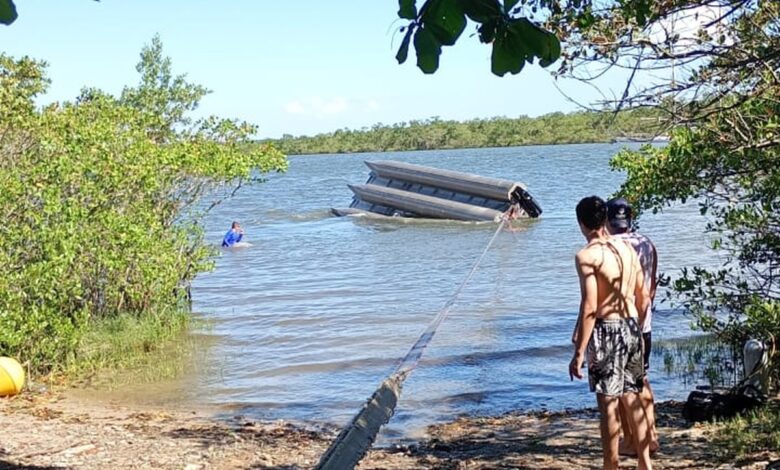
(234, 224)
(592, 212)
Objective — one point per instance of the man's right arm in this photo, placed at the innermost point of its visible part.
(589, 303)
(576, 332)
(586, 271)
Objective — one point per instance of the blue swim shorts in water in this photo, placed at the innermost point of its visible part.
(615, 358)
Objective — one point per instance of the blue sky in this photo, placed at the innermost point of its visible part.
(294, 67)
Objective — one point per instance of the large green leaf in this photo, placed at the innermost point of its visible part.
(509, 52)
(554, 51)
(641, 10)
(481, 10)
(487, 31)
(428, 50)
(509, 4)
(403, 51)
(530, 35)
(538, 42)
(407, 9)
(7, 11)
(445, 19)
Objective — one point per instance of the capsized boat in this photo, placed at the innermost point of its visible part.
(398, 189)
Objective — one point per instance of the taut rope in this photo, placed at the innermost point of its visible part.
(356, 438)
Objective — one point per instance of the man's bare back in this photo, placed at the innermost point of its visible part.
(619, 277)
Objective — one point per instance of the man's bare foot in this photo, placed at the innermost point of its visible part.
(628, 451)
(625, 449)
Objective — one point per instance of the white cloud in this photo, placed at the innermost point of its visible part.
(372, 104)
(688, 24)
(295, 107)
(318, 107)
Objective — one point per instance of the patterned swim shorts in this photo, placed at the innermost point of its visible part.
(615, 358)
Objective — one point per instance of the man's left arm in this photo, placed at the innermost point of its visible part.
(654, 274)
(641, 294)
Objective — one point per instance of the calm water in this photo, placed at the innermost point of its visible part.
(304, 324)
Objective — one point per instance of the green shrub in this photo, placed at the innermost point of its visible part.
(100, 205)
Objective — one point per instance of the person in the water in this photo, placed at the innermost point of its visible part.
(233, 236)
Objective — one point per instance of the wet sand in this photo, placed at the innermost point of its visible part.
(52, 430)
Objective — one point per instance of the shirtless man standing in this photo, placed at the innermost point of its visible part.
(613, 304)
(619, 218)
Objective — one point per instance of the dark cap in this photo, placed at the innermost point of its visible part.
(619, 213)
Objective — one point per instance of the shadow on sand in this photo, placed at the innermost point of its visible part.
(13, 466)
(538, 441)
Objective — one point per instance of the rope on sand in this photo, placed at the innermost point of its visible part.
(352, 443)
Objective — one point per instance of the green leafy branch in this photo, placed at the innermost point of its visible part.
(516, 40)
(7, 12)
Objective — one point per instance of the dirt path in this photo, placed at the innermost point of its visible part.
(48, 431)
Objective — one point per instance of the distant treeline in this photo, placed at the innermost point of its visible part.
(434, 133)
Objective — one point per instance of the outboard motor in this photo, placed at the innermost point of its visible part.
(521, 197)
(755, 363)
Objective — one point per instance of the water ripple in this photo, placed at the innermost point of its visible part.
(306, 322)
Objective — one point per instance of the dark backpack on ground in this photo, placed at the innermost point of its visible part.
(707, 405)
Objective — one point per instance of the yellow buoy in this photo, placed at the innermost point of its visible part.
(11, 376)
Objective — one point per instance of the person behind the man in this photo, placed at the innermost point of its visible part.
(619, 221)
(612, 306)
(233, 235)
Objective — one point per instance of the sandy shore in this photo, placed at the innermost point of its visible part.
(41, 431)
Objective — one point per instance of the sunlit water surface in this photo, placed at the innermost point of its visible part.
(304, 324)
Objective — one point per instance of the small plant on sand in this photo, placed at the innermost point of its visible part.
(700, 359)
(757, 431)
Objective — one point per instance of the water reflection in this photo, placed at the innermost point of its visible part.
(307, 322)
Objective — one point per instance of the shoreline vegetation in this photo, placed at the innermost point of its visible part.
(581, 127)
(102, 198)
